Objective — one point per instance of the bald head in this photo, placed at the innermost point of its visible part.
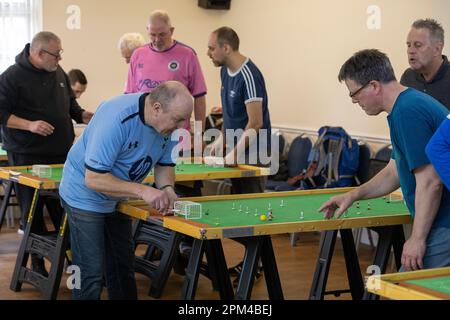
(159, 17)
(172, 95)
(168, 107)
(42, 40)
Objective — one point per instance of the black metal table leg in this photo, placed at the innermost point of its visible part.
(397, 244)
(249, 265)
(354, 275)
(193, 269)
(271, 275)
(51, 245)
(327, 243)
(8, 190)
(218, 271)
(385, 240)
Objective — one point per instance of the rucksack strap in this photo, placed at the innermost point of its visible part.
(334, 154)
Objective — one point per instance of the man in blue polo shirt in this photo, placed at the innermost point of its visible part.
(413, 118)
(128, 136)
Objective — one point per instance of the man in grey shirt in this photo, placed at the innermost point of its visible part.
(430, 70)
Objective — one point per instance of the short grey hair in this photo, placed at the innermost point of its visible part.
(131, 41)
(160, 15)
(434, 27)
(367, 65)
(42, 39)
(165, 94)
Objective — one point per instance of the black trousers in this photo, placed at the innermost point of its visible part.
(25, 194)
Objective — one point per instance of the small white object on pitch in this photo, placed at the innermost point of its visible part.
(214, 161)
(42, 170)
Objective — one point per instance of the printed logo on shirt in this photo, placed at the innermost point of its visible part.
(174, 65)
(61, 84)
(140, 65)
(232, 94)
(140, 169)
(133, 145)
(166, 139)
(148, 84)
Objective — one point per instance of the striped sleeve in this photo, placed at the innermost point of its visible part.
(254, 86)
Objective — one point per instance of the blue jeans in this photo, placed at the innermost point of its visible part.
(438, 249)
(437, 254)
(103, 249)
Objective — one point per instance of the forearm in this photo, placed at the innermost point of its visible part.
(76, 112)
(383, 183)
(218, 144)
(427, 202)
(200, 110)
(164, 175)
(247, 138)
(110, 185)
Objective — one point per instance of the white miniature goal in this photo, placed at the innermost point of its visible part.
(41, 170)
(188, 209)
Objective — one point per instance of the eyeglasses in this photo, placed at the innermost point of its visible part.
(56, 55)
(359, 90)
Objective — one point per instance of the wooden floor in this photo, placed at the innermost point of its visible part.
(295, 264)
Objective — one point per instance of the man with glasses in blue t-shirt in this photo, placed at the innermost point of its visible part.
(413, 117)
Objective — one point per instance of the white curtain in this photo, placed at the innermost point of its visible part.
(20, 20)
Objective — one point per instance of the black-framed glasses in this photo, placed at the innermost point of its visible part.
(352, 94)
(56, 55)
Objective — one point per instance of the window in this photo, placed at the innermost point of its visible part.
(20, 20)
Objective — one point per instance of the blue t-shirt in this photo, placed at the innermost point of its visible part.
(116, 141)
(413, 120)
(238, 89)
(438, 150)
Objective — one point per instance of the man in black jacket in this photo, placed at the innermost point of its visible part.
(37, 106)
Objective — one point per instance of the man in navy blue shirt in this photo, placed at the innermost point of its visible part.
(246, 128)
(413, 117)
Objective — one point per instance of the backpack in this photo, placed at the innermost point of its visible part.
(333, 161)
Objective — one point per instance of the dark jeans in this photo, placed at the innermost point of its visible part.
(103, 249)
(25, 194)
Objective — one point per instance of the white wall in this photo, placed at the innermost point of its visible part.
(299, 46)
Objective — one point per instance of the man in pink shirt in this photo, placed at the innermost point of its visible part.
(165, 59)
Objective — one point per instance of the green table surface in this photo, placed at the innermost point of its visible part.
(182, 168)
(243, 212)
(439, 284)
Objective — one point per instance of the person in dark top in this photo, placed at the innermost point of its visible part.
(246, 117)
(37, 106)
(430, 70)
(78, 82)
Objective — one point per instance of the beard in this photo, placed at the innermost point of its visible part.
(218, 63)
